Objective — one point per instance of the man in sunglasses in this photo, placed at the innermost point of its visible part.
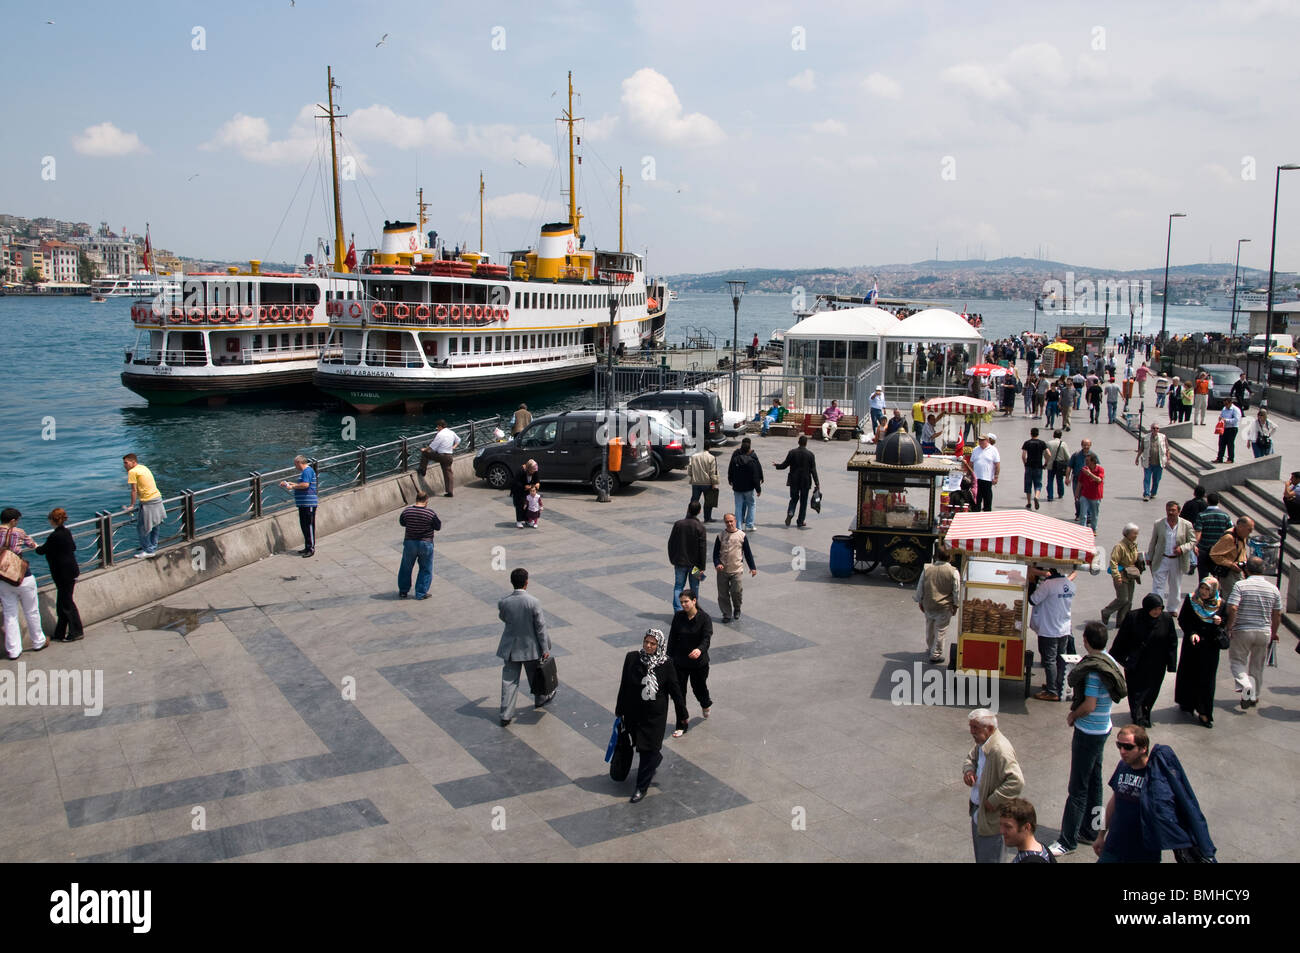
(1153, 807)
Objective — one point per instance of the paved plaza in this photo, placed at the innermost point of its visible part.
(308, 714)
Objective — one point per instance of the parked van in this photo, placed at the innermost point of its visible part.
(1259, 341)
(700, 412)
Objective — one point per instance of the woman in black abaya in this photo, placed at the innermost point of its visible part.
(1147, 647)
(1201, 619)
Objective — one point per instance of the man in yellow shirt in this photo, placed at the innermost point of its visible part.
(918, 418)
(144, 493)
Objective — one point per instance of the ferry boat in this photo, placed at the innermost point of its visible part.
(423, 326)
(143, 284)
(238, 334)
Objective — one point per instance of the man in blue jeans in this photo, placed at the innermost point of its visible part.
(1052, 601)
(1097, 682)
(877, 403)
(687, 551)
(745, 474)
(421, 523)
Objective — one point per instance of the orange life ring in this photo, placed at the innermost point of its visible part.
(246, 312)
(177, 317)
(262, 314)
(300, 312)
(196, 316)
(422, 312)
(455, 314)
(273, 312)
(440, 313)
(400, 310)
(378, 310)
(354, 310)
(232, 315)
(505, 314)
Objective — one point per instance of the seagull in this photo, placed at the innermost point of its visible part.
(520, 163)
(193, 177)
(382, 39)
(50, 22)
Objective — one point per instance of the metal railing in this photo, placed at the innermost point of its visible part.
(112, 535)
(631, 380)
(243, 358)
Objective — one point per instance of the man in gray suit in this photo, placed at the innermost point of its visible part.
(524, 643)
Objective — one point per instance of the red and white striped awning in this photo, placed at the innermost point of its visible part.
(958, 404)
(1010, 533)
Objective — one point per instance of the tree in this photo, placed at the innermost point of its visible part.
(86, 268)
(32, 275)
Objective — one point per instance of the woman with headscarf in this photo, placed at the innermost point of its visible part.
(649, 680)
(1147, 647)
(1201, 619)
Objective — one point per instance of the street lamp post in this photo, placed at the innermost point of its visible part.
(737, 288)
(1232, 327)
(616, 283)
(1272, 252)
(1164, 298)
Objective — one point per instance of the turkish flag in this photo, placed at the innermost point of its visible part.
(351, 259)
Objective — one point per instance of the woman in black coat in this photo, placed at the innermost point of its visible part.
(1147, 647)
(688, 647)
(527, 477)
(60, 551)
(648, 681)
(1201, 620)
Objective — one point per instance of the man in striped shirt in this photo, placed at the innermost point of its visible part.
(1252, 616)
(1210, 525)
(421, 523)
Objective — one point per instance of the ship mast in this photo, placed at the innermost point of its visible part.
(574, 218)
(620, 209)
(480, 211)
(340, 253)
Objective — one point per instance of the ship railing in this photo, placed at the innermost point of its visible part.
(111, 536)
(374, 357)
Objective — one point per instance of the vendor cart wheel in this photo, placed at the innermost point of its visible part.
(865, 565)
(904, 575)
(1029, 672)
(952, 658)
(906, 562)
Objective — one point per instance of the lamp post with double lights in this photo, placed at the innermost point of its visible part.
(1164, 298)
(737, 288)
(617, 281)
(1232, 327)
(1272, 253)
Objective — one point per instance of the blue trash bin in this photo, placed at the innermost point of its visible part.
(842, 556)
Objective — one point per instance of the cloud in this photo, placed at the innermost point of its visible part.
(515, 205)
(804, 82)
(1026, 70)
(250, 137)
(882, 87)
(652, 104)
(598, 130)
(443, 136)
(977, 81)
(107, 140)
(831, 127)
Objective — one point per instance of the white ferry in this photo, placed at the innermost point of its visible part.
(423, 327)
(220, 336)
(143, 284)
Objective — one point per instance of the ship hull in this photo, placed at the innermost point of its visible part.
(177, 390)
(372, 393)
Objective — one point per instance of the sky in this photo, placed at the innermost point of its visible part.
(751, 134)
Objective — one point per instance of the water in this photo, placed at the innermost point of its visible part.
(68, 419)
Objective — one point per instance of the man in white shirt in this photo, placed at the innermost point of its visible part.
(1052, 604)
(1230, 417)
(440, 448)
(1169, 554)
(1252, 615)
(986, 463)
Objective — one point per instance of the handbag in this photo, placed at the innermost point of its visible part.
(543, 678)
(13, 568)
(711, 497)
(620, 759)
(816, 501)
(1224, 640)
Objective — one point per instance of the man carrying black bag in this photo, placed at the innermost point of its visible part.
(524, 645)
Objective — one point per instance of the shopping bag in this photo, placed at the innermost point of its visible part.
(816, 501)
(620, 762)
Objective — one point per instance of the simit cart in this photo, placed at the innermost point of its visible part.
(993, 621)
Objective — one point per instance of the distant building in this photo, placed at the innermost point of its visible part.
(112, 255)
(60, 261)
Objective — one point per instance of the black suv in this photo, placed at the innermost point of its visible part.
(568, 447)
(700, 411)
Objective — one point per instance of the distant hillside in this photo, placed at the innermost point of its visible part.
(1014, 278)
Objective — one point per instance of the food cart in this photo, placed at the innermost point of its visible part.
(998, 548)
(953, 412)
(898, 518)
